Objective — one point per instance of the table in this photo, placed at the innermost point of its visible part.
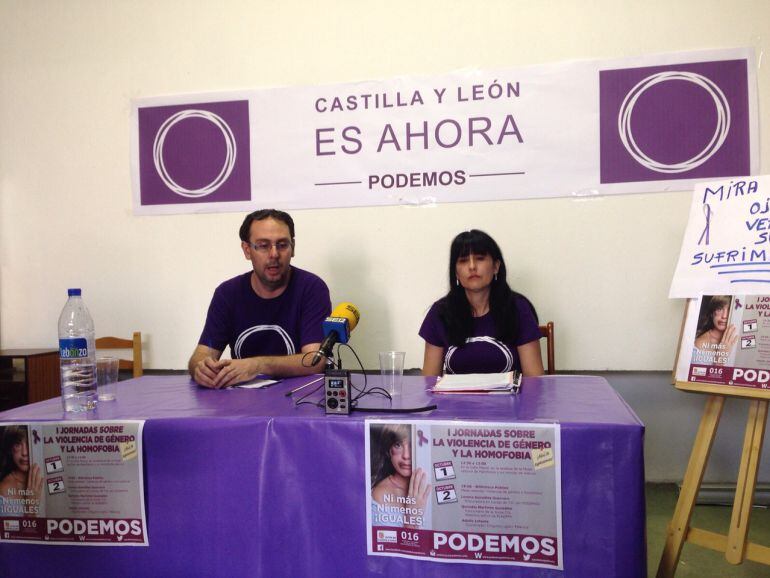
(38, 381)
(241, 483)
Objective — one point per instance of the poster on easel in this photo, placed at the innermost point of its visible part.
(724, 273)
(724, 348)
(726, 341)
(72, 482)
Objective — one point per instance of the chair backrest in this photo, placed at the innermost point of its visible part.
(134, 344)
(547, 332)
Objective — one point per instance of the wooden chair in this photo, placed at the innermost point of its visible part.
(135, 344)
(547, 332)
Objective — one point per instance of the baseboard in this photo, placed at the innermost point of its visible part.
(715, 494)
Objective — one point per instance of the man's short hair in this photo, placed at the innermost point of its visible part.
(261, 215)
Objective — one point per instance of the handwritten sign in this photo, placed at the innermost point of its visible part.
(726, 246)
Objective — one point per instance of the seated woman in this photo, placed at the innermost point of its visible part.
(481, 325)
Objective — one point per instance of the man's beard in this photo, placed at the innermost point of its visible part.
(274, 283)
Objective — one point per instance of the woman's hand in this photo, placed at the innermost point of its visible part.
(419, 489)
(35, 483)
(729, 338)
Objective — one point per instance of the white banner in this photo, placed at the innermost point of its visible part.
(576, 128)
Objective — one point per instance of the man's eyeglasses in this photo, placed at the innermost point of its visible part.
(266, 246)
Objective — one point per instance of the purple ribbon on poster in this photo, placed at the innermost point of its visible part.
(707, 213)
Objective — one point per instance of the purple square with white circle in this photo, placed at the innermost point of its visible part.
(680, 121)
(194, 153)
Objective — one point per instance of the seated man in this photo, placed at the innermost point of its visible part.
(270, 317)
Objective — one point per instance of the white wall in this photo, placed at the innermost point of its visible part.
(599, 268)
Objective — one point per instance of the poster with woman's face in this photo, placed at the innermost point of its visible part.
(712, 345)
(396, 475)
(450, 491)
(20, 477)
(72, 482)
(726, 341)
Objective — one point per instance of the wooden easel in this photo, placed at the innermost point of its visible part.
(734, 544)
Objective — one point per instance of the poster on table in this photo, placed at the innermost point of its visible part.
(726, 245)
(726, 341)
(650, 123)
(72, 482)
(471, 492)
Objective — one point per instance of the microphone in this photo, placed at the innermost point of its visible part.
(337, 328)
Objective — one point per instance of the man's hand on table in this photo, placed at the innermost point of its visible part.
(221, 373)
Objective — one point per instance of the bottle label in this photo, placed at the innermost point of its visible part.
(76, 348)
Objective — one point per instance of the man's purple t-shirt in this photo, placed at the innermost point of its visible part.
(253, 326)
(482, 353)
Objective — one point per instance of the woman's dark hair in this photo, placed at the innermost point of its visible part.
(11, 436)
(381, 464)
(706, 319)
(454, 309)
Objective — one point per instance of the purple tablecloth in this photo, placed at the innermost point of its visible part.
(242, 483)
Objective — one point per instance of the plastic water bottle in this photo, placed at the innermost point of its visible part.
(77, 355)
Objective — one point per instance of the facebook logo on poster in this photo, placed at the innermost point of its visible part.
(194, 153)
(680, 121)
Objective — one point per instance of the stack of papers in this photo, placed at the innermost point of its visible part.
(466, 383)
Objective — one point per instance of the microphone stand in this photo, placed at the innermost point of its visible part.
(329, 363)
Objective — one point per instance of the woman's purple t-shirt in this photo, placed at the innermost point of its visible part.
(253, 326)
(482, 353)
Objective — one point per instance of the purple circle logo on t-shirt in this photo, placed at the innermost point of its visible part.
(484, 351)
(263, 338)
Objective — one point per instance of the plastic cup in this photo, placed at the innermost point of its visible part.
(392, 370)
(106, 378)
